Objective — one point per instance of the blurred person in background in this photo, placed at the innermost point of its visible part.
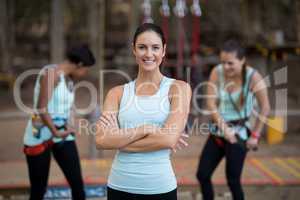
(233, 88)
(47, 130)
(144, 119)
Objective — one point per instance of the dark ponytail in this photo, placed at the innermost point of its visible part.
(242, 95)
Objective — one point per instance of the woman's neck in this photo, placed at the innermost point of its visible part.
(153, 76)
(148, 83)
(66, 68)
(236, 78)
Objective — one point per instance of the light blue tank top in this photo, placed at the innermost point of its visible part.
(226, 107)
(147, 172)
(59, 107)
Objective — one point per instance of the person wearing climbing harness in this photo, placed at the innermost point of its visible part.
(47, 130)
(144, 119)
(232, 90)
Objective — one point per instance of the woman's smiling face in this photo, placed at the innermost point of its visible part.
(149, 50)
(232, 65)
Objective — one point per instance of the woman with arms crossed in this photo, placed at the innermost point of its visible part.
(144, 119)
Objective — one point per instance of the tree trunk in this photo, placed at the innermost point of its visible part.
(256, 25)
(3, 34)
(133, 20)
(298, 20)
(245, 19)
(57, 31)
(97, 32)
(6, 34)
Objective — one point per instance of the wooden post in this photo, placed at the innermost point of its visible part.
(57, 31)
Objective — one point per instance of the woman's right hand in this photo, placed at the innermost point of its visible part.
(63, 134)
(229, 135)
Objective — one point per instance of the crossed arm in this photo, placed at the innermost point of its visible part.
(259, 88)
(146, 137)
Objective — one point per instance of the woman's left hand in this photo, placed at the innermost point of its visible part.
(252, 143)
(181, 143)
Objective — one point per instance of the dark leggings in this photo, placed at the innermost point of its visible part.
(66, 155)
(211, 156)
(119, 195)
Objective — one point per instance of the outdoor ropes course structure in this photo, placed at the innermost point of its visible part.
(180, 10)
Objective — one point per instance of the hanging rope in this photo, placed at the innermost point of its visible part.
(180, 10)
(146, 9)
(196, 11)
(165, 12)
